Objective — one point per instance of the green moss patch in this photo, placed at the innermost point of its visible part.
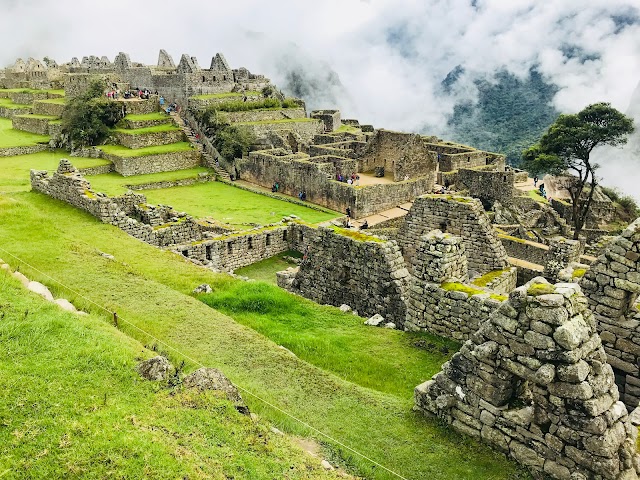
(487, 278)
(167, 127)
(579, 272)
(125, 152)
(358, 235)
(460, 287)
(540, 289)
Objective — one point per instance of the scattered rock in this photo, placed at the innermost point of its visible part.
(375, 321)
(345, 308)
(286, 350)
(204, 288)
(326, 465)
(24, 280)
(155, 369)
(390, 325)
(276, 431)
(66, 305)
(6, 267)
(213, 379)
(40, 289)
(108, 256)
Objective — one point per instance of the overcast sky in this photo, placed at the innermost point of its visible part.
(390, 55)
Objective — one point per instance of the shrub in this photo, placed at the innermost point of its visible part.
(233, 142)
(87, 118)
(626, 203)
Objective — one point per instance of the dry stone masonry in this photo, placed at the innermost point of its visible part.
(534, 382)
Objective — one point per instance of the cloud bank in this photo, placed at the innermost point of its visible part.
(382, 61)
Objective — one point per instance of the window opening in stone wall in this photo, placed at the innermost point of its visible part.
(229, 247)
(505, 179)
(284, 235)
(203, 79)
(250, 242)
(208, 252)
(268, 240)
(224, 77)
(185, 253)
(301, 236)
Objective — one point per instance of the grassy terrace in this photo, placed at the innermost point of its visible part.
(349, 129)
(284, 120)
(55, 101)
(232, 205)
(125, 152)
(149, 288)
(114, 421)
(17, 138)
(8, 103)
(15, 170)
(167, 127)
(148, 116)
(265, 271)
(59, 93)
(225, 95)
(115, 184)
(40, 117)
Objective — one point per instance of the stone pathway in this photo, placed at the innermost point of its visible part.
(191, 137)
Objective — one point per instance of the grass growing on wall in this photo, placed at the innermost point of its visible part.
(265, 270)
(147, 117)
(115, 184)
(15, 170)
(165, 127)
(232, 205)
(55, 101)
(149, 288)
(8, 103)
(125, 152)
(18, 138)
(114, 421)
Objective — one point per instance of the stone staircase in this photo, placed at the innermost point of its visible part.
(197, 143)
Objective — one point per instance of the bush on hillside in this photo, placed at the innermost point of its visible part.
(628, 205)
(87, 118)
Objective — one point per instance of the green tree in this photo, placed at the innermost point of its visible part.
(233, 142)
(87, 118)
(567, 148)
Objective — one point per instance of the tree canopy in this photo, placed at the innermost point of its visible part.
(87, 118)
(567, 146)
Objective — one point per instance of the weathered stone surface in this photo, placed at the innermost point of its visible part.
(375, 321)
(40, 289)
(213, 379)
(65, 305)
(204, 288)
(155, 369)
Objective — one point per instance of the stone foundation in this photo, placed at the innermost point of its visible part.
(165, 162)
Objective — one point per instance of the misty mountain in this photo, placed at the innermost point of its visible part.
(510, 113)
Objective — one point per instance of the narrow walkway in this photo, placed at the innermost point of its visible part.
(191, 137)
(516, 262)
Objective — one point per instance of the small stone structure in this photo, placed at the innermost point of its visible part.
(612, 286)
(365, 273)
(534, 382)
(462, 216)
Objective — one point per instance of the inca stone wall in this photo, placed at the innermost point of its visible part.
(612, 286)
(561, 253)
(365, 273)
(460, 216)
(136, 140)
(30, 123)
(164, 162)
(534, 382)
(159, 226)
(487, 186)
(17, 151)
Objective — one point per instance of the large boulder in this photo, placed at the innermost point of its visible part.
(40, 289)
(155, 369)
(213, 379)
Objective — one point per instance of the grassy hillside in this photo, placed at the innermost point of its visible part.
(72, 406)
(149, 287)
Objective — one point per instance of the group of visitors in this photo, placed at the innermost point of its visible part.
(275, 187)
(352, 179)
(302, 195)
(115, 94)
(172, 107)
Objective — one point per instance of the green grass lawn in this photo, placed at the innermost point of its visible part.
(265, 270)
(125, 152)
(148, 116)
(40, 117)
(72, 406)
(55, 101)
(8, 103)
(349, 129)
(284, 120)
(15, 170)
(232, 205)
(17, 138)
(165, 127)
(225, 95)
(149, 288)
(535, 194)
(115, 184)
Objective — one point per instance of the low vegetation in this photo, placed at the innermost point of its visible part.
(165, 127)
(115, 184)
(114, 421)
(627, 208)
(265, 270)
(87, 118)
(121, 151)
(9, 137)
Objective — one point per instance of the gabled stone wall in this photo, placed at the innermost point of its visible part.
(534, 382)
(460, 216)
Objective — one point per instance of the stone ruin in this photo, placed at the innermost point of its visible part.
(534, 382)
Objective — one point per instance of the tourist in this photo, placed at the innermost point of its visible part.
(273, 188)
(161, 101)
(357, 180)
(350, 181)
(365, 225)
(349, 212)
(300, 195)
(304, 196)
(277, 186)
(535, 181)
